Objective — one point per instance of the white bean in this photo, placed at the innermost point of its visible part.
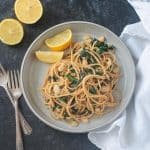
(56, 89)
(101, 39)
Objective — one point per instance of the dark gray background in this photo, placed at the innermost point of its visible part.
(113, 14)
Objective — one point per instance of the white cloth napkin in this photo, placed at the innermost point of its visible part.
(131, 131)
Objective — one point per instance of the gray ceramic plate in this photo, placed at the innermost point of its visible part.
(33, 73)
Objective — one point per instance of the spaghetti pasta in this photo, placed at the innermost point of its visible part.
(81, 84)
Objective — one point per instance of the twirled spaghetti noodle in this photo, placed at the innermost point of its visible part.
(81, 84)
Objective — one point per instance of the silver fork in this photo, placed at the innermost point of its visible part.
(14, 86)
(3, 83)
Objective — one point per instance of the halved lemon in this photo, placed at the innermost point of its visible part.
(49, 56)
(28, 11)
(60, 41)
(11, 31)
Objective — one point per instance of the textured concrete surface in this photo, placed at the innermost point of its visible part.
(113, 14)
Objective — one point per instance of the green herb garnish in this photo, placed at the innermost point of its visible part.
(74, 110)
(54, 77)
(88, 71)
(49, 78)
(74, 81)
(71, 78)
(92, 90)
(65, 115)
(99, 73)
(102, 48)
(91, 60)
(84, 54)
(55, 107)
(63, 99)
(109, 69)
(72, 70)
(97, 42)
(95, 67)
(84, 72)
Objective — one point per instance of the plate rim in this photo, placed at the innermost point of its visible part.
(69, 130)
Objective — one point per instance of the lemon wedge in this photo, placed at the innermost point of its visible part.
(28, 11)
(49, 56)
(60, 41)
(11, 31)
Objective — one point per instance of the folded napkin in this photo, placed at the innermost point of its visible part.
(131, 131)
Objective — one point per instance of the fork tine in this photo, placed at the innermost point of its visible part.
(8, 83)
(12, 79)
(18, 75)
(16, 79)
(2, 69)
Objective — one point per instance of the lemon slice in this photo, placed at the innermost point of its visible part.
(60, 41)
(28, 11)
(11, 31)
(49, 56)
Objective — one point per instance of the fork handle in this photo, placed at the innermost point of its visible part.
(19, 142)
(24, 124)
